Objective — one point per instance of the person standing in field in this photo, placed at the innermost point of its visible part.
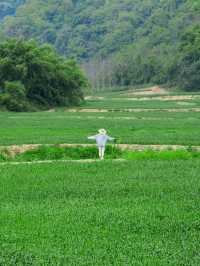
(101, 140)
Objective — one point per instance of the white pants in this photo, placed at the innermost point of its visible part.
(101, 152)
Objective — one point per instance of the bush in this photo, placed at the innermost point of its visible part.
(13, 97)
(32, 75)
(65, 153)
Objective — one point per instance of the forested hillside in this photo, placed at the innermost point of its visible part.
(9, 7)
(140, 37)
(97, 27)
(168, 51)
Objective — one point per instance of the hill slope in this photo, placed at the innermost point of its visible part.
(8, 8)
(89, 28)
(120, 42)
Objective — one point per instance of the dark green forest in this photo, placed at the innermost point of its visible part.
(9, 7)
(118, 42)
(34, 77)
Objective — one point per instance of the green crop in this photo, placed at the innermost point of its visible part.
(62, 127)
(141, 210)
(44, 153)
(107, 213)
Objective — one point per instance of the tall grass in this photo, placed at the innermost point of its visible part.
(76, 153)
(60, 153)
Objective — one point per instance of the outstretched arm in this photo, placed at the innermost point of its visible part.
(92, 137)
(110, 138)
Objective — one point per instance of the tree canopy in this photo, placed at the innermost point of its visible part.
(90, 28)
(34, 77)
(141, 39)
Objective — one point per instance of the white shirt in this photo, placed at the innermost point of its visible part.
(101, 139)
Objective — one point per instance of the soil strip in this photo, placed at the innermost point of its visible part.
(161, 98)
(136, 110)
(61, 161)
(148, 91)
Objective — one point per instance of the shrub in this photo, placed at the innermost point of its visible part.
(32, 75)
(59, 153)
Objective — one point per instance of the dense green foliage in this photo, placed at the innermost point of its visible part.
(107, 213)
(90, 28)
(53, 153)
(56, 152)
(82, 28)
(145, 41)
(36, 76)
(8, 7)
(189, 64)
(170, 53)
(177, 65)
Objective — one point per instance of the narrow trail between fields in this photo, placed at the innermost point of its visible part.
(16, 149)
(160, 98)
(103, 117)
(60, 161)
(155, 90)
(136, 110)
(150, 98)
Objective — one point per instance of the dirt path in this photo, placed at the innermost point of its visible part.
(60, 161)
(94, 98)
(148, 91)
(84, 110)
(136, 110)
(155, 147)
(16, 149)
(161, 98)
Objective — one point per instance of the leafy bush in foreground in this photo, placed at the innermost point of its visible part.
(59, 153)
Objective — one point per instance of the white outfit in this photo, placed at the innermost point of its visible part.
(101, 140)
(101, 152)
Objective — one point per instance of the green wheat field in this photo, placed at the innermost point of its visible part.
(133, 208)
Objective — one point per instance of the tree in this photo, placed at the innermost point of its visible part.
(37, 76)
(138, 39)
(189, 64)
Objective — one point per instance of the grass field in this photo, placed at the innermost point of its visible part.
(156, 104)
(63, 127)
(68, 214)
(143, 210)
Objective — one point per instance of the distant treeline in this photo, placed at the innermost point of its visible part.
(177, 65)
(118, 42)
(166, 51)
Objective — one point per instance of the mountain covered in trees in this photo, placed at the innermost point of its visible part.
(87, 28)
(141, 41)
(8, 8)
